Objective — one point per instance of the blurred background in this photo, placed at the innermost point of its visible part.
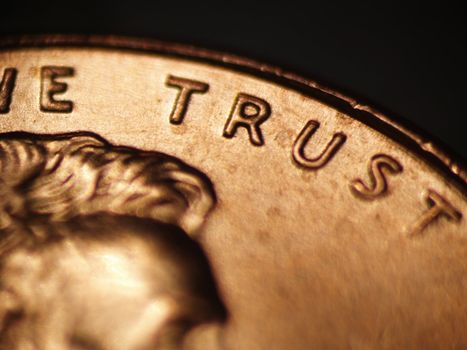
(407, 61)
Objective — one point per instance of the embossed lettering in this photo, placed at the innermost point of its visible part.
(50, 87)
(248, 112)
(6, 89)
(325, 156)
(186, 87)
(439, 207)
(378, 182)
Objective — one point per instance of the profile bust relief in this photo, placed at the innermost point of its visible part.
(98, 248)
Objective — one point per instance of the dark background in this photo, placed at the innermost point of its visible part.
(408, 61)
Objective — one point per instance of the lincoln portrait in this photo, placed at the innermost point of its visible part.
(98, 246)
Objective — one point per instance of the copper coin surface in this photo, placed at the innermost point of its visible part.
(157, 196)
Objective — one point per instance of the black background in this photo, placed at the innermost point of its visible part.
(407, 61)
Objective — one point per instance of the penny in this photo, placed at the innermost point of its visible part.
(156, 196)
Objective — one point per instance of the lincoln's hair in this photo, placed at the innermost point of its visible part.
(61, 177)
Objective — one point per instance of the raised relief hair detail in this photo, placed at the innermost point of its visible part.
(98, 246)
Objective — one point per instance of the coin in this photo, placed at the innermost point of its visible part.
(157, 196)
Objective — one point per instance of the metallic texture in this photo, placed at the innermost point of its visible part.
(155, 196)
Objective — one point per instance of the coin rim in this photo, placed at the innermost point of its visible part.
(445, 162)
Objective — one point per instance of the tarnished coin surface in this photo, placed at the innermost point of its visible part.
(155, 196)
